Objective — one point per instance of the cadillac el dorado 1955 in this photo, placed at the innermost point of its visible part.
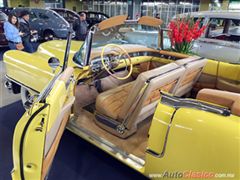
(146, 107)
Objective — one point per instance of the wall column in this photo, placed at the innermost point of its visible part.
(204, 5)
(137, 8)
(225, 4)
(5, 3)
(37, 3)
(130, 8)
(73, 4)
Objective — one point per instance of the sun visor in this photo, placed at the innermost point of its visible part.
(150, 21)
(111, 22)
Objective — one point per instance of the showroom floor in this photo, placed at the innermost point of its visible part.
(75, 158)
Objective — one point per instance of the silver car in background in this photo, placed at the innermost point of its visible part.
(221, 40)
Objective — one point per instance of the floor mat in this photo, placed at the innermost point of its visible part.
(136, 144)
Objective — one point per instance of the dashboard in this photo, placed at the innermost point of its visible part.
(112, 60)
(96, 63)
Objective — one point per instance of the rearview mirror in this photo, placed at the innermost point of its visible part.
(53, 62)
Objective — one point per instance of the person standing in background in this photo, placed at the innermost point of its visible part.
(25, 28)
(80, 27)
(12, 33)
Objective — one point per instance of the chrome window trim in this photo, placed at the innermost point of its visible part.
(177, 103)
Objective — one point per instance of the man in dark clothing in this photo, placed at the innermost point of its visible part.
(25, 28)
(80, 27)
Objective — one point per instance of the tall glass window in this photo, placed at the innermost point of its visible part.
(167, 9)
(111, 7)
(1, 3)
(53, 3)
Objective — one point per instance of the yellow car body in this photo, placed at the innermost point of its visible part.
(183, 141)
(199, 144)
(221, 75)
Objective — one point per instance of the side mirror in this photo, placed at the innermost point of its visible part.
(53, 62)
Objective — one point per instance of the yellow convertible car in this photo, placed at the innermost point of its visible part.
(147, 107)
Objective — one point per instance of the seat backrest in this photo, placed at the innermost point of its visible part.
(144, 93)
(194, 66)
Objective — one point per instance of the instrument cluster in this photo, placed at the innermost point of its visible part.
(109, 60)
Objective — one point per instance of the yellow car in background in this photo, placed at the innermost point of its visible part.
(140, 104)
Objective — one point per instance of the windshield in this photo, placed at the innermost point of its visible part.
(130, 33)
(127, 34)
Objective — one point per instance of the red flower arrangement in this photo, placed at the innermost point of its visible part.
(183, 31)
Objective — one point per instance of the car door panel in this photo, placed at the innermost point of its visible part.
(228, 77)
(220, 75)
(208, 78)
(191, 133)
(38, 132)
(53, 137)
(35, 157)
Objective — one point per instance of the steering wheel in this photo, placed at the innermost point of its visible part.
(122, 52)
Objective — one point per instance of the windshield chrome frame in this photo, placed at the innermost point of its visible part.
(88, 42)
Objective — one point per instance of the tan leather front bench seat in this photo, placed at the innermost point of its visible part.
(110, 102)
(224, 98)
(133, 102)
(86, 94)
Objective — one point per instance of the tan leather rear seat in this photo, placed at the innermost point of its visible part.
(224, 98)
(133, 102)
(194, 66)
